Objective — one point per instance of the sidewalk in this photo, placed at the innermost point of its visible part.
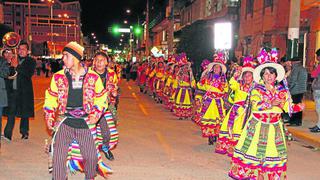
(310, 119)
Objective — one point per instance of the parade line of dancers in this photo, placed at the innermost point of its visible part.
(237, 108)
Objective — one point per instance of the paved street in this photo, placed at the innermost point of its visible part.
(153, 145)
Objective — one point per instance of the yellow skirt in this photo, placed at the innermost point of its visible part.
(212, 112)
(261, 151)
(183, 103)
(230, 130)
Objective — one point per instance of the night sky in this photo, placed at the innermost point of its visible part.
(98, 15)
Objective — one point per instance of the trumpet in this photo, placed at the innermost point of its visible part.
(11, 40)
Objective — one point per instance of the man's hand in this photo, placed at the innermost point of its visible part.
(14, 62)
(92, 119)
(50, 123)
(302, 106)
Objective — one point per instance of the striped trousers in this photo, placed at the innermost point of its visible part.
(105, 131)
(64, 137)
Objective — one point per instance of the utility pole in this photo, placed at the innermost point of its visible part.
(171, 27)
(147, 30)
(29, 37)
(293, 31)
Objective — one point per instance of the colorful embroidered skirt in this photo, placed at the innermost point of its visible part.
(183, 102)
(261, 152)
(211, 115)
(230, 130)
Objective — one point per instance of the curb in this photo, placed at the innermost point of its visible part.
(305, 136)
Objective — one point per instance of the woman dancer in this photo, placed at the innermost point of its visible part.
(261, 152)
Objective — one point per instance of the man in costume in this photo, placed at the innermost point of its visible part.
(106, 123)
(74, 103)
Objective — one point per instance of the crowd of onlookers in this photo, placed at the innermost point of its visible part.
(48, 66)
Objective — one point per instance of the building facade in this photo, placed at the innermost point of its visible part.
(211, 12)
(53, 23)
(265, 23)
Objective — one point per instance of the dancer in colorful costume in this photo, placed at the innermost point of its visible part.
(183, 84)
(199, 91)
(167, 90)
(241, 83)
(142, 77)
(151, 77)
(158, 82)
(212, 107)
(261, 152)
(106, 128)
(74, 119)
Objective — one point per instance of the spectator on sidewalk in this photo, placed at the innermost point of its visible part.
(4, 72)
(21, 93)
(316, 92)
(48, 68)
(38, 66)
(297, 81)
(128, 68)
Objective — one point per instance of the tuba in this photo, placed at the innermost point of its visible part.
(11, 40)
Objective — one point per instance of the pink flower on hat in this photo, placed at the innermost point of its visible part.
(219, 58)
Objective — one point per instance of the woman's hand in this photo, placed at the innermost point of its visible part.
(276, 102)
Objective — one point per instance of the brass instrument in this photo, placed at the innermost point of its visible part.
(11, 40)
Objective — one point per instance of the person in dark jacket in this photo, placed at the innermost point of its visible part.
(316, 93)
(20, 93)
(4, 72)
(297, 81)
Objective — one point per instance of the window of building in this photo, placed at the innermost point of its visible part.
(18, 14)
(267, 3)
(164, 36)
(18, 23)
(249, 7)
(219, 5)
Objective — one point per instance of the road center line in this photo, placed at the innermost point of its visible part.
(38, 106)
(166, 147)
(144, 111)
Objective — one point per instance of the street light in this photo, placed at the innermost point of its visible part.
(128, 11)
(125, 22)
(92, 34)
(121, 40)
(51, 3)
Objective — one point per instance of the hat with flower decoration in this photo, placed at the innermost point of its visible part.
(218, 59)
(171, 59)
(268, 59)
(248, 65)
(205, 63)
(182, 59)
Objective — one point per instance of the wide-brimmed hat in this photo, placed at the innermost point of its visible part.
(248, 65)
(218, 59)
(182, 60)
(204, 64)
(268, 59)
